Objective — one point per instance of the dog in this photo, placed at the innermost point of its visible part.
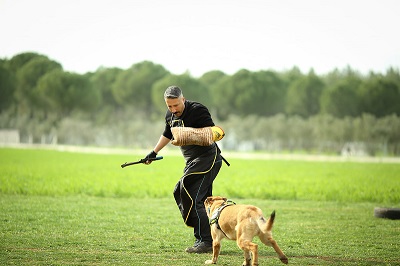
(241, 223)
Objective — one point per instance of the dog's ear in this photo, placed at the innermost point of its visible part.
(209, 200)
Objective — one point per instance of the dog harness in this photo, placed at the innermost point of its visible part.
(215, 216)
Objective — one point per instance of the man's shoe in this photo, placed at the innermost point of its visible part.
(202, 247)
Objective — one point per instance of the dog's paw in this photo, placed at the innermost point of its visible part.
(284, 260)
(209, 262)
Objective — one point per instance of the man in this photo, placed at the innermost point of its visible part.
(202, 165)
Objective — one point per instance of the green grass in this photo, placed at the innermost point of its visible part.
(62, 208)
(305, 180)
(39, 172)
(84, 230)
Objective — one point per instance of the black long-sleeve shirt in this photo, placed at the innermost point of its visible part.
(194, 115)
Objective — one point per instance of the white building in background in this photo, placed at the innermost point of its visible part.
(9, 136)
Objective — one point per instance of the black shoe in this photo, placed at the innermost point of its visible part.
(202, 247)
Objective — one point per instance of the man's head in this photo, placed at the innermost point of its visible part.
(173, 92)
(174, 100)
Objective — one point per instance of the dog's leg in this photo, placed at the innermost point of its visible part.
(244, 243)
(247, 258)
(247, 246)
(216, 249)
(216, 246)
(269, 241)
(282, 256)
(266, 236)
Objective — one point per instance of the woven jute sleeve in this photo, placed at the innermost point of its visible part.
(192, 136)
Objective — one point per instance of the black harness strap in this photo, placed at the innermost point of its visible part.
(225, 161)
(228, 164)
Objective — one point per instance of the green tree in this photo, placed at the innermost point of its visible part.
(290, 76)
(133, 86)
(393, 75)
(303, 96)
(392, 123)
(336, 76)
(7, 87)
(192, 89)
(210, 79)
(246, 93)
(261, 93)
(271, 93)
(19, 60)
(65, 92)
(103, 80)
(380, 96)
(341, 99)
(27, 78)
(235, 95)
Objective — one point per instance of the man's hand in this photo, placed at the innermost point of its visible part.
(151, 155)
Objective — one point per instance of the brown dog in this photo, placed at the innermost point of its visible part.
(241, 223)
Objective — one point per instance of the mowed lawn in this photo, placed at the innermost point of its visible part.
(62, 208)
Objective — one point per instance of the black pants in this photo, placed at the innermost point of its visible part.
(190, 194)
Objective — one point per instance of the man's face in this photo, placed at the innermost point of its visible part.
(176, 106)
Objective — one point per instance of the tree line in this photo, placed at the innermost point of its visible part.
(266, 110)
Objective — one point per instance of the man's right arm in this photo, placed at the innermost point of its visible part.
(162, 142)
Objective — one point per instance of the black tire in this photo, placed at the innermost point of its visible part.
(388, 213)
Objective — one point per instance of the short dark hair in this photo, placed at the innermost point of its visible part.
(173, 92)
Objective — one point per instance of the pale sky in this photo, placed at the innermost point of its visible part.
(200, 36)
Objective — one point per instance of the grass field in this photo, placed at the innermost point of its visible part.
(62, 208)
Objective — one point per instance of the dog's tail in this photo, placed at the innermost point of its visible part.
(266, 226)
(270, 221)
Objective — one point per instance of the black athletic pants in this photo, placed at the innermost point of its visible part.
(199, 187)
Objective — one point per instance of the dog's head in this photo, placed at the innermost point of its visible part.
(212, 203)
